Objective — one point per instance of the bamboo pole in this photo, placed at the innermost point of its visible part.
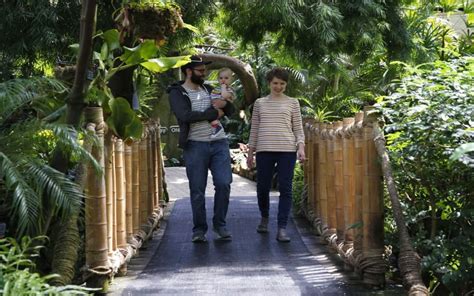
(95, 201)
(373, 266)
(155, 152)
(339, 181)
(109, 184)
(310, 168)
(136, 186)
(315, 164)
(160, 169)
(358, 179)
(120, 188)
(128, 189)
(114, 198)
(322, 147)
(349, 184)
(331, 194)
(149, 155)
(143, 179)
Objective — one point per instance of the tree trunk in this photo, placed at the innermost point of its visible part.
(75, 106)
(409, 261)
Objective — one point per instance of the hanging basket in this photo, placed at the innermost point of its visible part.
(152, 21)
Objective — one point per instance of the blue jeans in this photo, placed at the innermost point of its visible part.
(285, 164)
(199, 157)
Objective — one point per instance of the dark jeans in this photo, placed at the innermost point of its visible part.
(199, 157)
(285, 164)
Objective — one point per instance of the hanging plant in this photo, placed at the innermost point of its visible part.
(150, 20)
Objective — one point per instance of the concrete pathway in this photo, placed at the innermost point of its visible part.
(251, 264)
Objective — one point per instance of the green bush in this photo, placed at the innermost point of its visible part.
(17, 276)
(430, 114)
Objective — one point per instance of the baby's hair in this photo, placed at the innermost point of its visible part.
(225, 70)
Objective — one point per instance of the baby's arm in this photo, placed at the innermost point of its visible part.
(227, 93)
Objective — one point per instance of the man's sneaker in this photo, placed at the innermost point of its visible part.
(263, 226)
(199, 238)
(222, 234)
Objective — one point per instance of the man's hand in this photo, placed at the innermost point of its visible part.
(219, 104)
(220, 112)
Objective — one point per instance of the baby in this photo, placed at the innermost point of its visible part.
(223, 92)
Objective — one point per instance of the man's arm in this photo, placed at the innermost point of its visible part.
(184, 113)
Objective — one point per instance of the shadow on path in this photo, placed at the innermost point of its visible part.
(251, 264)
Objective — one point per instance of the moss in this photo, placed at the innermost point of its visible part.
(154, 21)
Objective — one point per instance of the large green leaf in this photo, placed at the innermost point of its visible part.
(123, 121)
(112, 39)
(140, 53)
(165, 63)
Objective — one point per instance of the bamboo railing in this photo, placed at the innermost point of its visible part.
(347, 163)
(344, 185)
(124, 203)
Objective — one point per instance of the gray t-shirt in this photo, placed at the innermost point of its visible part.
(201, 130)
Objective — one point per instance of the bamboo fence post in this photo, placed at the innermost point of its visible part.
(143, 181)
(331, 194)
(310, 167)
(315, 178)
(160, 169)
(136, 186)
(322, 147)
(95, 201)
(120, 193)
(156, 195)
(109, 184)
(339, 182)
(373, 266)
(359, 180)
(128, 189)
(149, 154)
(114, 198)
(349, 187)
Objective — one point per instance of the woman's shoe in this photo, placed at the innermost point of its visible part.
(263, 226)
(282, 236)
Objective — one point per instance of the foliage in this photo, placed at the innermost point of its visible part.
(17, 271)
(25, 144)
(429, 115)
(298, 188)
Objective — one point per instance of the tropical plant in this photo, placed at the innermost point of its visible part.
(32, 186)
(429, 115)
(17, 270)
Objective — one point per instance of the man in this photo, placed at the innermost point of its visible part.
(190, 101)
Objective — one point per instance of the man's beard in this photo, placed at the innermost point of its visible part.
(196, 79)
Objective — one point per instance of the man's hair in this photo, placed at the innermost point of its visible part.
(279, 73)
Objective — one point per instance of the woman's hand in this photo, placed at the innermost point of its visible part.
(300, 153)
(250, 158)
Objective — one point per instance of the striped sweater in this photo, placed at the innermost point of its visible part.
(276, 125)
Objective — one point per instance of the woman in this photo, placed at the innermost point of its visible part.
(277, 138)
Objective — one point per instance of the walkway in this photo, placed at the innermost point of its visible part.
(252, 264)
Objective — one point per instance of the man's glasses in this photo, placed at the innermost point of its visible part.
(202, 71)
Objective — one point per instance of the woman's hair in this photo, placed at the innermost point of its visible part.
(279, 73)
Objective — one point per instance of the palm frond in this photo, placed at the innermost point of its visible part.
(25, 203)
(59, 190)
(16, 93)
